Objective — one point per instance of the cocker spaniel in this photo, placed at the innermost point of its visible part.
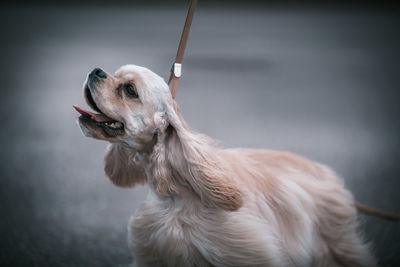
(209, 206)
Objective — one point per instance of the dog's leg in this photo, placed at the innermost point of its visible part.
(350, 250)
(341, 243)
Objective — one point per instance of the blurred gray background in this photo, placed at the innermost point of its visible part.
(322, 81)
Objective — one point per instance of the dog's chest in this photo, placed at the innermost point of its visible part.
(169, 235)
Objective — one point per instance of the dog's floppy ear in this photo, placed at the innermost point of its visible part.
(121, 168)
(195, 163)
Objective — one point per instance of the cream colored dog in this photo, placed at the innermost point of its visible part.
(209, 206)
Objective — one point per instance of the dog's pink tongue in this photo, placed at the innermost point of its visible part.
(95, 116)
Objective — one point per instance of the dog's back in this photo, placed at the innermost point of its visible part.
(305, 203)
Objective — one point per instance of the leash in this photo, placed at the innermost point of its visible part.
(176, 70)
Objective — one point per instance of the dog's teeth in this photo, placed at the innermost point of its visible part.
(114, 125)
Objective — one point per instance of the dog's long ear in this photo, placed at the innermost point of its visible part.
(121, 167)
(196, 164)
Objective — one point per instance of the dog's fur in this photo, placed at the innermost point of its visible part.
(209, 206)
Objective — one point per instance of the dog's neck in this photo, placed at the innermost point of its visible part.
(157, 160)
(176, 164)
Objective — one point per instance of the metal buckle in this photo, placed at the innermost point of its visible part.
(177, 69)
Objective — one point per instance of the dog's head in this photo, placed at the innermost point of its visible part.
(130, 106)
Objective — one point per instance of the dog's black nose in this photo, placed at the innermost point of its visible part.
(98, 73)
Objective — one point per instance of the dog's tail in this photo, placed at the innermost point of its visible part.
(376, 212)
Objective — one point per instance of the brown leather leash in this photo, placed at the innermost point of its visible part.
(176, 70)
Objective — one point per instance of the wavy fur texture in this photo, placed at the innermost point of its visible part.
(209, 206)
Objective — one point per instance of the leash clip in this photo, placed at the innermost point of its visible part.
(177, 69)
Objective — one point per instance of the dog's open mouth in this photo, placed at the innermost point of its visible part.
(99, 119)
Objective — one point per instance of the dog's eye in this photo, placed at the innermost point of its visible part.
(131, 90)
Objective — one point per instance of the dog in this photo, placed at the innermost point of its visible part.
(209, 206)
